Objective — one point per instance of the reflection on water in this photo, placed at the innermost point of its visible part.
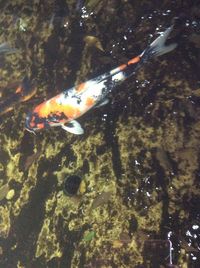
(138, 201)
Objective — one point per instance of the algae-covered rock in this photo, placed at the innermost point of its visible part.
(48, 243)
(4, 221)
(10, 194)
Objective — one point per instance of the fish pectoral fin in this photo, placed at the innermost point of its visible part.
(102, 103)
(73, 127)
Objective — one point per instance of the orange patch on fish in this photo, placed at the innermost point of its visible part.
(19, 89)
(70, 111)
(134, 60)
(32, 124)
(40, 125)
(80, 87)
(89, 101)
(122, 67)
(42, 109)
(7, 109)
(52, 107)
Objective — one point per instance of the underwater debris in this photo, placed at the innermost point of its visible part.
(89, 236)
(5, 48)
(124, 238)
(117, 244)
(10, 194)
(31, 159)
(82, 188)
(163, 159)
(93, 41)
(71, 185)
(22, 25)
(4, 191)
(101, 199)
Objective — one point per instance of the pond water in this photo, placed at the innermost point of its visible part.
(126, 193)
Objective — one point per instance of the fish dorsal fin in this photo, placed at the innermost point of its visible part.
(73, 127)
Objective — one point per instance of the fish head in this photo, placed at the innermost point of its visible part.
(34, 123)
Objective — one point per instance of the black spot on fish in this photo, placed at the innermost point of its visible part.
(66, 93)
(78, 98)
(57, 117)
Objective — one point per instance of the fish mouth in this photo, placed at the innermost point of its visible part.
(27, 124)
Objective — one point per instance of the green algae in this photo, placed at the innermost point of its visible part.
(89, 236)
(4, 221)
(48, 243)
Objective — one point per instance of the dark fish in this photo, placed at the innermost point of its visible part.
(23, 93)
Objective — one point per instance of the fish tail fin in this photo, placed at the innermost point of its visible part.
(158, 47)
(25, 89)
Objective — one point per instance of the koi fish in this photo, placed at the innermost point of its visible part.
(63, 109)
(23, 93)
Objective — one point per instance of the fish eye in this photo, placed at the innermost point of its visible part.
(28, 126)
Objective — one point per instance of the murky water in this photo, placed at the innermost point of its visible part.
(138, 160)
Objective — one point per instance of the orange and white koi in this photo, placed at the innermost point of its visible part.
(63, 109)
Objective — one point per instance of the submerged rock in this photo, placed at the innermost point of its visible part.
(71, 185)
(101, 199)
(3, 191)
